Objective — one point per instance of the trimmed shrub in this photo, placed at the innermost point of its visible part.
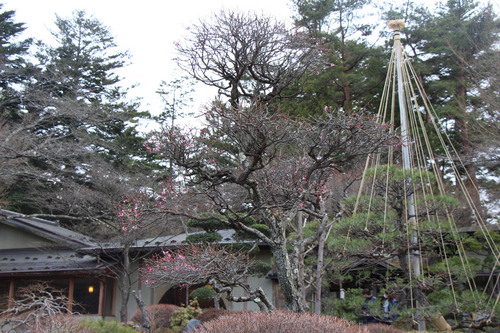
(212, 223)
(213, 313)
(260, 268)
(160, 316)
(347, 308)
(203, 293)
(276, 322)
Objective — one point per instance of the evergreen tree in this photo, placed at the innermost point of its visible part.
(454, 48)
(375, 224)
(353, 68)
(75, 140)
(82, 67)
(14, 70)
(13, 65)
(455, 55)
(176, 95)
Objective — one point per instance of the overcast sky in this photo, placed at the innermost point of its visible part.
(148, 29)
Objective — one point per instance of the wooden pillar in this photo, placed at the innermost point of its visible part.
(10, 301)
(113, 301)
(100, 310)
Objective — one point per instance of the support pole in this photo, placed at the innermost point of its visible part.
(411, 220)
(412, 223)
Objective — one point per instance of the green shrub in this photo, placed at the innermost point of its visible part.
(184, 314)
(212, 223)
(101, 326)
(262, 228)
(347, 308)
(203, 293)
(260, 268)
(245, 236)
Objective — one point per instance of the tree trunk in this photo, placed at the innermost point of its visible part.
(319, 273)
(217, 299)
(288, 277)
(299, 255)
(347, 98)
(420, 299)
(146, 323)
(124, 284)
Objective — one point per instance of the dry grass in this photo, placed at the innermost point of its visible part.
(160, 316)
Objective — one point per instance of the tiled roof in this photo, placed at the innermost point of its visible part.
(159, 242)
(46, 229)
(21, 261)
(227, 238)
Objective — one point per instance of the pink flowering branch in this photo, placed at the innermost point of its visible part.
(129, 212)
(196, 264)
(204, 264)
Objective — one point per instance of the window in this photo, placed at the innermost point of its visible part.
(86, 295)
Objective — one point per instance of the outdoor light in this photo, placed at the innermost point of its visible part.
(91, 289)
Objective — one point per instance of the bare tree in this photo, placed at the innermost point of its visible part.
(275, 168)
(69, 147)
(222, 268)
(38, 308)
(246, 56)
(137, 216)
(51, 160)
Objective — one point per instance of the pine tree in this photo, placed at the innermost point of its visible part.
(454, 48)
(353, 69)
(82, 67)
(462, 34)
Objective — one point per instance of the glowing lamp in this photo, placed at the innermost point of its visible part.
(91, 289)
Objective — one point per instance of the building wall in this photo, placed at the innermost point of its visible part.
(145, 291)
(152, 295)
(12, 238)
(254, 282)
